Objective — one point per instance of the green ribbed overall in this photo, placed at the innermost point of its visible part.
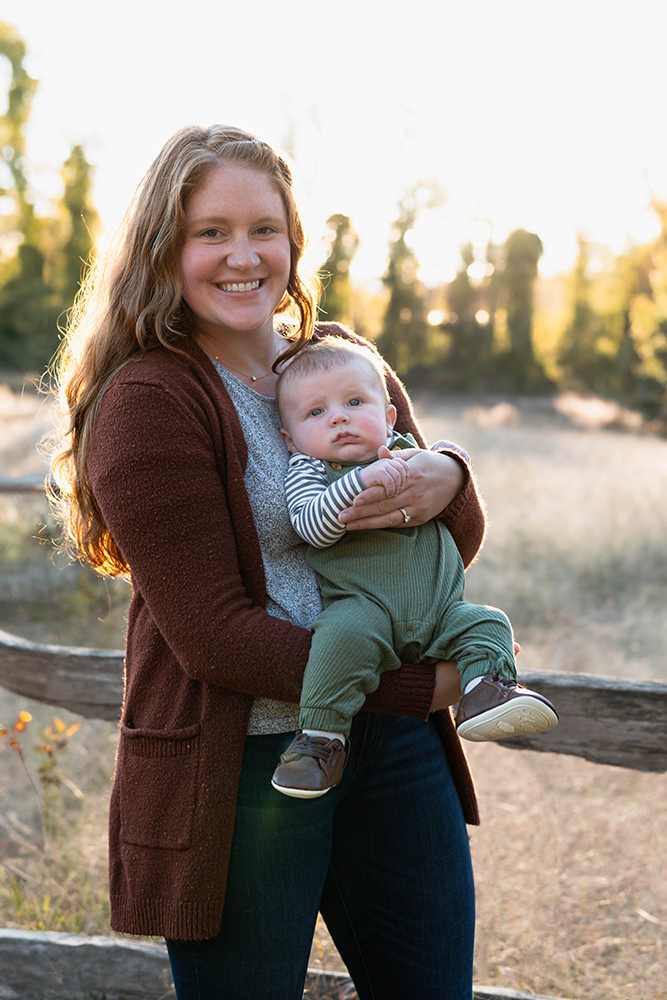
(391, 596)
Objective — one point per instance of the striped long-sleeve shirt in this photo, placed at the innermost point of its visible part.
(313, 506)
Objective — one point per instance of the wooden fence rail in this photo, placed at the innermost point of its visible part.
(602, 719)
(48, 965)
(26, 484)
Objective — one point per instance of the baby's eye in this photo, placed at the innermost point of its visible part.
(316, 412)
(354, 401)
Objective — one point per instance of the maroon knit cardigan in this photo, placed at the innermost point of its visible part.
(166, 467)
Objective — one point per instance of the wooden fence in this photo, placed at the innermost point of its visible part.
(602, 719)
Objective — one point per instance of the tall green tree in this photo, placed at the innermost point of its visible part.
(641, 274)
(470, 341)
(80, 221)
(26, 309)
(520, 258)
(343, 243)
(40, 258)
(29, 312)
(404, 332)
(582, 362)
(12, 128)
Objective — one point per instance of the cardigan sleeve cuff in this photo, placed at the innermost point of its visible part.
(408, 691)
(450, 448)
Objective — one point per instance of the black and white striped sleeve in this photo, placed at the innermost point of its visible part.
(313, 506)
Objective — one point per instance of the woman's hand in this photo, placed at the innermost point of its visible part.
(447, 690)
(433, 482)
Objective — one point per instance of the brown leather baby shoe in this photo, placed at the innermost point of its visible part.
(310, 766)
(498, 707)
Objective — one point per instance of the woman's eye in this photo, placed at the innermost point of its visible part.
(211, 234)
(265, 230)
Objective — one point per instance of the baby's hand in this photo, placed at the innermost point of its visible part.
(390, 472)
(405, 453)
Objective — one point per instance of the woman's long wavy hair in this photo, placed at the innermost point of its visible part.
(131, 302)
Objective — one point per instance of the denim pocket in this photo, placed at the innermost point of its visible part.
(158, 779)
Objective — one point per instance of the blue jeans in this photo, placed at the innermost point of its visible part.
(384, 856)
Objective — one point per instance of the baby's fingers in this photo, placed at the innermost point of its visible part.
(401, 474)
(391, 480)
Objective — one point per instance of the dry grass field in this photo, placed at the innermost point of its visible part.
(570, 858)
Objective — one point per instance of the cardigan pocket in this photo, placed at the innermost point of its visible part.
(158, 773)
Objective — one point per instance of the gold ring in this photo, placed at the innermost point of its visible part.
(406, 516)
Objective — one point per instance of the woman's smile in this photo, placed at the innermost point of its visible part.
(240, 286)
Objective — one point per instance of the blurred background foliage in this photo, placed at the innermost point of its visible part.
(497, 326)
(41, 257)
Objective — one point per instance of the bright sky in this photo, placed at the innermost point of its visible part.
(542, 115)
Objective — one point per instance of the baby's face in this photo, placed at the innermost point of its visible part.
(338, 416)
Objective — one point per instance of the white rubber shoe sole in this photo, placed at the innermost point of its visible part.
(301, 793)
(519, 717)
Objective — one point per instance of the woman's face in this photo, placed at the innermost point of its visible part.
(235, 262)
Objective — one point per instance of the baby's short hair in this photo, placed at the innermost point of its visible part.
(327, 354)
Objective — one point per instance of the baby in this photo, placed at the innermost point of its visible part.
(390, 596)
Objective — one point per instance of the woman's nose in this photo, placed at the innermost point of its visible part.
(242, 254)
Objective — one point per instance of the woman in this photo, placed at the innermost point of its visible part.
(173, 473)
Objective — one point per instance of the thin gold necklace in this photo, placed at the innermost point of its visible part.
(252, 378)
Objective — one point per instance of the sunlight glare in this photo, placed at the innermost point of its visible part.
(574, 153)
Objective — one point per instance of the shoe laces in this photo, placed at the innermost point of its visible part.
(304, 745)
(505, 681)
